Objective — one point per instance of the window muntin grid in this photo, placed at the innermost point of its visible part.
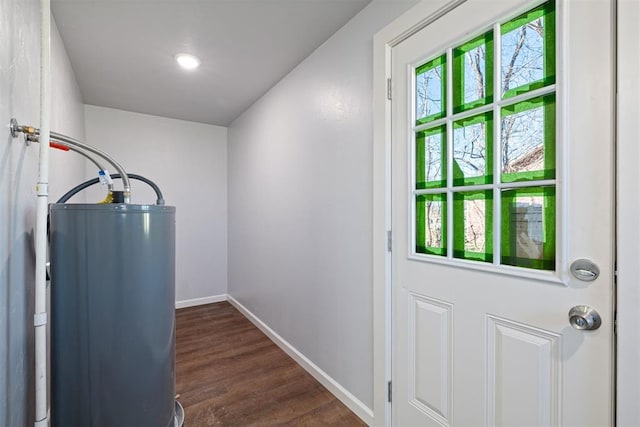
(485, 168)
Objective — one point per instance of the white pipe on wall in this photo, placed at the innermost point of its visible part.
(40, 316)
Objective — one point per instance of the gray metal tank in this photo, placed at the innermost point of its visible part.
(112, 315)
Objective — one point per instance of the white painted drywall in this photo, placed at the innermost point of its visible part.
(188, 161)
(300, 204)
(67, 169)
(19, 98)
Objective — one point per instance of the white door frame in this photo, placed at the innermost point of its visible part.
(628, 209)
(628, 176)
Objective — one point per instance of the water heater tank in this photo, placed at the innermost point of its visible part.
(112, 315)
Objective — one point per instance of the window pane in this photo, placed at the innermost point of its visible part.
(528, 227)
(472, 150)
(528, 51)
(454, 156)
(430, 90)
(473, 73)
(431, 230)
(528, 140)
(473, 225)
(431, 148)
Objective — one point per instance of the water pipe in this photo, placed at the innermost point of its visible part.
(69, 194)
(126, 184)
(65, 147)
(42, 191)
(34, 134)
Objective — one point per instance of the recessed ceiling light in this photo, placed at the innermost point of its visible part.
(187, 61)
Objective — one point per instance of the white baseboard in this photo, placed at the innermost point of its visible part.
(200, 301)
(359, 408)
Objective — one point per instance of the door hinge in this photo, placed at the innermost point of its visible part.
(389, 88)
(388, 240)
(389, 391)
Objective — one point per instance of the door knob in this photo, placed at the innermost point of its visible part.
(584, 318)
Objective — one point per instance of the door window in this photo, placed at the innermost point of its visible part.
(484, 164)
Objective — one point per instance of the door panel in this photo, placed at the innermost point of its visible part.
(478, 339)
(430, 349)
(520, 396)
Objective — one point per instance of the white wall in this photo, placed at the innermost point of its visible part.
(300, 204)
(20, 98)
(188, 161)
(67, 169)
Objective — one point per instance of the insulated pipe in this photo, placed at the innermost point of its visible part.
(40, 312)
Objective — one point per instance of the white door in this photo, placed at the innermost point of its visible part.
(502, 177)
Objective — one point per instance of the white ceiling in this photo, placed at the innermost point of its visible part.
(122, 51)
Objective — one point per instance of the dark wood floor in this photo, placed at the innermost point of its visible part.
(228, 373)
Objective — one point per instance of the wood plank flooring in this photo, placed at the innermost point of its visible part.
(228, 373)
